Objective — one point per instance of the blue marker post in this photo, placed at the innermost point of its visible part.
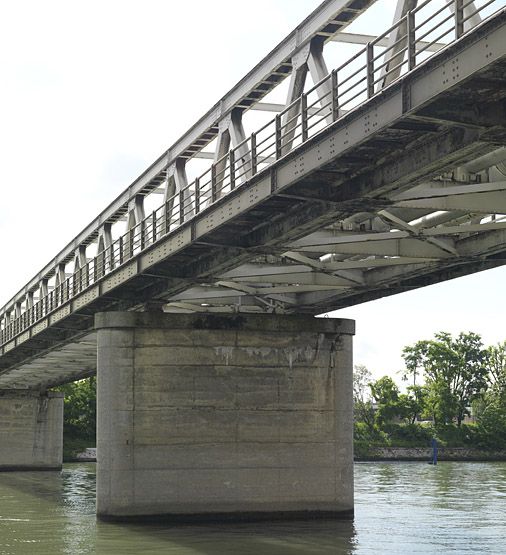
(434, 451)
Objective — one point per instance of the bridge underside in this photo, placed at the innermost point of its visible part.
(404, 191)
(67, 361)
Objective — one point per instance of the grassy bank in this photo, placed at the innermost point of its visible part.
(470, 440)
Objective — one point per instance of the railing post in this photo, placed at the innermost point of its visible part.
(278, 136)
(231, 164)
(410, 26)
(153, 223)
(120, 244)
(253, 153)
(459, 18)
(143, 234)
(76, 285)
(213, 182)
(96, 267)
(181, 207)
(370, 69)
(335, 95)
(131, 242)
(168, 216)
(111, 257)
(303, 116)
(197, 195)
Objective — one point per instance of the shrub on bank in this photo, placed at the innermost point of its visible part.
(79, 417)
(488, 434)
(409, 435)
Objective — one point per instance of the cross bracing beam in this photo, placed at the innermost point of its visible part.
(305, 276)
(225, 293)
(357, 38)
(215, 308)
(274, 107)
(363, 263)
(492, 203)
(321, 239)
(434, 190)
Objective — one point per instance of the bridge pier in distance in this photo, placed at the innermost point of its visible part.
(31, 430)
(210, 416)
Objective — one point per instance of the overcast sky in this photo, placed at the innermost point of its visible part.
(93, 92)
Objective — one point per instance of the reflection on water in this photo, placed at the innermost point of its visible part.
(400, 508)
(419, 508)
(316, 537)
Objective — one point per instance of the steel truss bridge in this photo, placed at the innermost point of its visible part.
(382, 175)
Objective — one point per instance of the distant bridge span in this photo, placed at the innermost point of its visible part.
(387, 174)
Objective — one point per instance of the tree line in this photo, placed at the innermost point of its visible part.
(79, 416)
(450, 378)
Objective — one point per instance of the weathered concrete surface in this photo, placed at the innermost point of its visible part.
(218, 415)
(31, 430)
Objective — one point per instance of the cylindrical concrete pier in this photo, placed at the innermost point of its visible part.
(213, 416)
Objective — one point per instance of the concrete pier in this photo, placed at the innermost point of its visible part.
(31, 430)
(214, 416)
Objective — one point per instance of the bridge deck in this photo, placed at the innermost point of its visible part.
(352, 213)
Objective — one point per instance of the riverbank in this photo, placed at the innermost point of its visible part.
(375, 454)
(87, 455)
(461, 454)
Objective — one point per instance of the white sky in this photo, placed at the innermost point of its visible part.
(92, 92)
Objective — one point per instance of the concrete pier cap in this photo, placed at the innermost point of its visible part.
(212, 416)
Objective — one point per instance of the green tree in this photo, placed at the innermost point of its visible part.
(386, 394)
(497, 375)
(80, 408)
(491, 408)
(364, 412)
(455, 372)
(413, 403)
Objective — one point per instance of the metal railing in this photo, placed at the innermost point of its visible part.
(346, 87)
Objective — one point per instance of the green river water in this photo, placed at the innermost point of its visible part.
(401, 508)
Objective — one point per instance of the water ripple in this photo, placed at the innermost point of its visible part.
(414, 508)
